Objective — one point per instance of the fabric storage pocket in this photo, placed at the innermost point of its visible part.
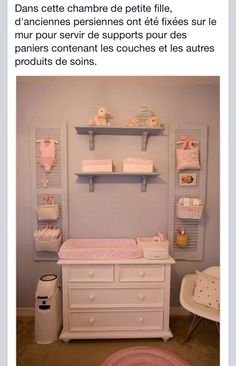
(48, 245)
(187, 155)
(47, 212)
(188, 159)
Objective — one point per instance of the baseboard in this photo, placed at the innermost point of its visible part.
(174, 311)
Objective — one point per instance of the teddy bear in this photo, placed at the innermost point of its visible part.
(101, 118)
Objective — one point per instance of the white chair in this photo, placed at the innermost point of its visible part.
(199, 311)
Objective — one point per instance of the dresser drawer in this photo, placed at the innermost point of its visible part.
(88, 273)
(119, 297)
(143, 273)
(116, 320)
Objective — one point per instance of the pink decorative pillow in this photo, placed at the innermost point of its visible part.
(188, 158)
(207, 290)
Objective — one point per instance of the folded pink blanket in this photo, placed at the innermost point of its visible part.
(96, 162)
(137, 161)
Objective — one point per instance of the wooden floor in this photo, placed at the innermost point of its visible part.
(201, 350)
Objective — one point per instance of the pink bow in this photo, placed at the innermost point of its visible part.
(180, 230)
(187, 141)
(48, 197)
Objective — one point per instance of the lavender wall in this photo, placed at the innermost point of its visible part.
(116, 208)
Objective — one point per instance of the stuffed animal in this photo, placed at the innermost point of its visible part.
(153, 122)
(131, 122)
(101, 118)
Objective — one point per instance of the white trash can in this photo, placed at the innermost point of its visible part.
(48, 309)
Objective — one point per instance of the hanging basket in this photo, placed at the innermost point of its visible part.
(189, 212)
(48, 212)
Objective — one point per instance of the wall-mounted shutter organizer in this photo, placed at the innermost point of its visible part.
(194, 227)
(56, 182)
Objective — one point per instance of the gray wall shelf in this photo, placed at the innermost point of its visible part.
(91, 176)
(144, 132)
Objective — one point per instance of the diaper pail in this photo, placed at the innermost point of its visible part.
(48, 312)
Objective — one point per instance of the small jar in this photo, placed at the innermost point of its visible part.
(181, 240)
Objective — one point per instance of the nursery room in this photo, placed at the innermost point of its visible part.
(118, 230)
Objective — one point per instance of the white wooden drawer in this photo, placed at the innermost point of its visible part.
(116, 320)
(88, 273)
(118, 297)
(148, 272)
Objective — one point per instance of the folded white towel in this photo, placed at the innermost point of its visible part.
(196, 202)
(185, 201)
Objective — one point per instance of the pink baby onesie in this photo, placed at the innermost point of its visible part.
(47, 153)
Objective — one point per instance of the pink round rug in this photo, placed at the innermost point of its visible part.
(144, 356)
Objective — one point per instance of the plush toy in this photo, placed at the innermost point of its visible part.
(101, 118)
(131, 122)
(153, 122)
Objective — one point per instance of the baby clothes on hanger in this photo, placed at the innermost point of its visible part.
(47, 153)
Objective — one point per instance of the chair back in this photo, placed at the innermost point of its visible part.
(213, 271)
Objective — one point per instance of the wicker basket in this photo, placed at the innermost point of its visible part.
(143, 115)
(189, 212)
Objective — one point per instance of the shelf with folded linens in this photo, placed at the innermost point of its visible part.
(144, 132)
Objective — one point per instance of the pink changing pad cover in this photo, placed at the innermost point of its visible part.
(99, 249)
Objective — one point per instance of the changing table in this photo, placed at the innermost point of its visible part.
(115, 298)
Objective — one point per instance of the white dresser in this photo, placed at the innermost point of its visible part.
(116, 298)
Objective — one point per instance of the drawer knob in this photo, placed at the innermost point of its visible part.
(142, 297)
(91, 320)
(141, 320)
(142, 273)
(91, 273)
(91, 297)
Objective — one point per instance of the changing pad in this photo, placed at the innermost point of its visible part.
(99, 249)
